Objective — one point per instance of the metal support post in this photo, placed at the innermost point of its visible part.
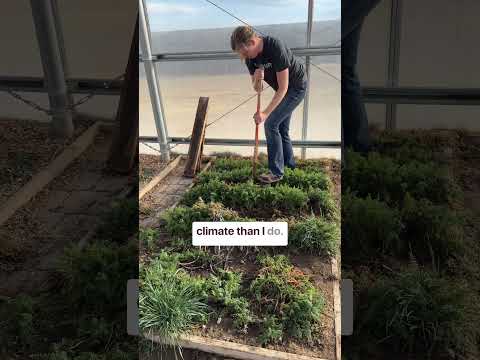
(393, 60)
(42, 11)
(152, 80)
(307, 70)
(63, 52)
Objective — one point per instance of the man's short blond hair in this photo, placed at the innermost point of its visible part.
(240, 36)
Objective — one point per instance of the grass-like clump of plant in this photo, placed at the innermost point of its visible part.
(434, 232)
(369, 226)
(405, 242)
(416, 311)
(236, 175)
(95, 276)
(229, 163)
(323, 204)
(173, 309)
(287, 298)
(169, 303)
(231, 174)
(17, 322)
(315, 235)
(83, 315)
(196, 257)
(230, 183)
(249, 196)
(421, 145)
(178, 221)
(305, 179)
(430, 233)
(385, 178)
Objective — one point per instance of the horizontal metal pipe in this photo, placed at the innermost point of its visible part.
(227, 54)
(380, 95)
(243, 142)
(76, 86)
(416, 95)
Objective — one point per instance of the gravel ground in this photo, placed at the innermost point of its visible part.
(26, 148)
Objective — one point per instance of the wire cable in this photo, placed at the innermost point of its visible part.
(235, 108)
(251, 97)
(262, 33)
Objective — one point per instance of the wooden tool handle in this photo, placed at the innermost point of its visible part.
(255, 152)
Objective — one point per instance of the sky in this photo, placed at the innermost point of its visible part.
(168, 15)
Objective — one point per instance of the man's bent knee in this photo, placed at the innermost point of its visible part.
(271, 125)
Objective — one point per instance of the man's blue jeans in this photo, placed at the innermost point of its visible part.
(354, 116)
(279, 145)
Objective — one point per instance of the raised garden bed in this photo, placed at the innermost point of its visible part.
(277, 298)
(410, 244)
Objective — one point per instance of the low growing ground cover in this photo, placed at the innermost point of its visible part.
(408, 245)
(84, 315)
(269, 297)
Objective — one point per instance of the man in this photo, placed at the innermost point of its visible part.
(268, 59)
(354, 116)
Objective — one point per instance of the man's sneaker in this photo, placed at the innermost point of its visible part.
(269, 178)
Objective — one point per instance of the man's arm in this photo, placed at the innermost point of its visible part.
(282, 80)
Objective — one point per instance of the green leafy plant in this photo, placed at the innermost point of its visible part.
(403, 148)
(315, 235)
(428, 180)
(370, 226)
(271, 331)
(304, 179)
(249, 196)
(417, 311)
(196, 257)
(243, 196)
(17, 327)
(148, 237)
(211, 191)
(322, 203)
(434, 232)
(383, 177)
(225, 289)
(95, 276)
(288, 199)
(120, 222)
(240, 171)
(178, 221)
(223, 164)
(96, 329)
(279, 288)
(238, 175)
(302, 313)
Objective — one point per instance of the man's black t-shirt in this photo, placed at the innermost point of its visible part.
(276, 57)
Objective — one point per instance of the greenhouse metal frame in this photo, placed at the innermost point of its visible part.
(391, 95)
